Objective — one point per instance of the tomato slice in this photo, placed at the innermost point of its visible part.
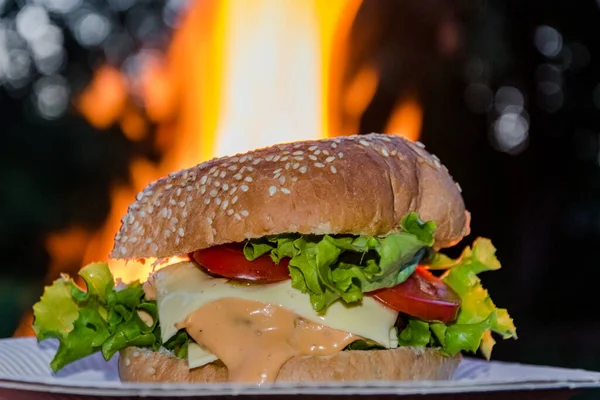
(422, 295)
(229, 261)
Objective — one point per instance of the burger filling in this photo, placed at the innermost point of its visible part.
(255, 305)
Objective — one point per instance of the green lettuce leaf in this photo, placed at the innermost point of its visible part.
(416, 333)
(478, 316)
(98, 319)
(331, 268)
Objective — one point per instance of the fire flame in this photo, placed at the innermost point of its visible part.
(238, 74)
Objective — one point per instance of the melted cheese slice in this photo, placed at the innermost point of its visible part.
(183, 288)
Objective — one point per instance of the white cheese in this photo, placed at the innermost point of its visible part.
(183, 288)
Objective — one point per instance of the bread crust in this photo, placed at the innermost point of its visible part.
(401, 364)
(361, 185)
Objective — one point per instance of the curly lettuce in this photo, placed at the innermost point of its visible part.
(478, 316)
(100, 319)
(331, 268)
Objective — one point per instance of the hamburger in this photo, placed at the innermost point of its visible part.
(307, 261)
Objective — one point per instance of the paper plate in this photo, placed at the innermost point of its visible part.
(24, 366)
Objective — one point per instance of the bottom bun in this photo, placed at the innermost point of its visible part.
(401, 364)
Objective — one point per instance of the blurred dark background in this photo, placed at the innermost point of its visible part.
(510, 92)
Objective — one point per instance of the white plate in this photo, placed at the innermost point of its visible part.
(24, 365)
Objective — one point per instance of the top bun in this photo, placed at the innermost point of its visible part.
(361, 185)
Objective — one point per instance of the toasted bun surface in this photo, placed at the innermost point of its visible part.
(403, 363)
(360, 185)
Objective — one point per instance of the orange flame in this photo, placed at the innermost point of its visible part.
(238, 74)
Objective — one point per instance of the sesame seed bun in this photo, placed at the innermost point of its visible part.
(361, 185)
(401, 364)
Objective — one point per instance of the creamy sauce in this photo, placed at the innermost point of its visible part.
(254, 339)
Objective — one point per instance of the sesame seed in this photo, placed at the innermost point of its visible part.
(184, 214)
(225, 186)
(218, 201)
(215, 174)
(284, 158)
(385, 152)
(178, 192)
(244, 213)
(222, 174)
(225, 204)
(257, 161)
(163, 212)
(295, 165)
(330, 159)
(180, 232)
(123, 249)
(317, 152)
(139, 196)
(276, 158)
(282, 180)
(130, 219)
(333, 145)
(458, 186)
(244, 188)
(168, 186)
(419, 144)
(244, 159)
(288, 165)
(213, 193)
(237, 177)
(312, 157)
(278, 170)
(299, 152)
(234, 200)
(277, 175)
(313, 148)
(299, 158)
(326, 152)
(202, 189)
(364, 142)
(166, 233)
(248, 179)
(230, 211)
(213, 169)
(232, 167)
(333, 169)
(387, 139)
(233, 190)
(272, 190)
(302, 169)
(237, 216)
(172, 202)
(189, 188)
(217, 183)
(340, 155)
(294, 179)
(286, 190)
(437, 164)
(177, 240)
(210, 220)
(234, 159)
(250, 169)
(182, 204)
(319, 165)
(214, 231)
(154, 247)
